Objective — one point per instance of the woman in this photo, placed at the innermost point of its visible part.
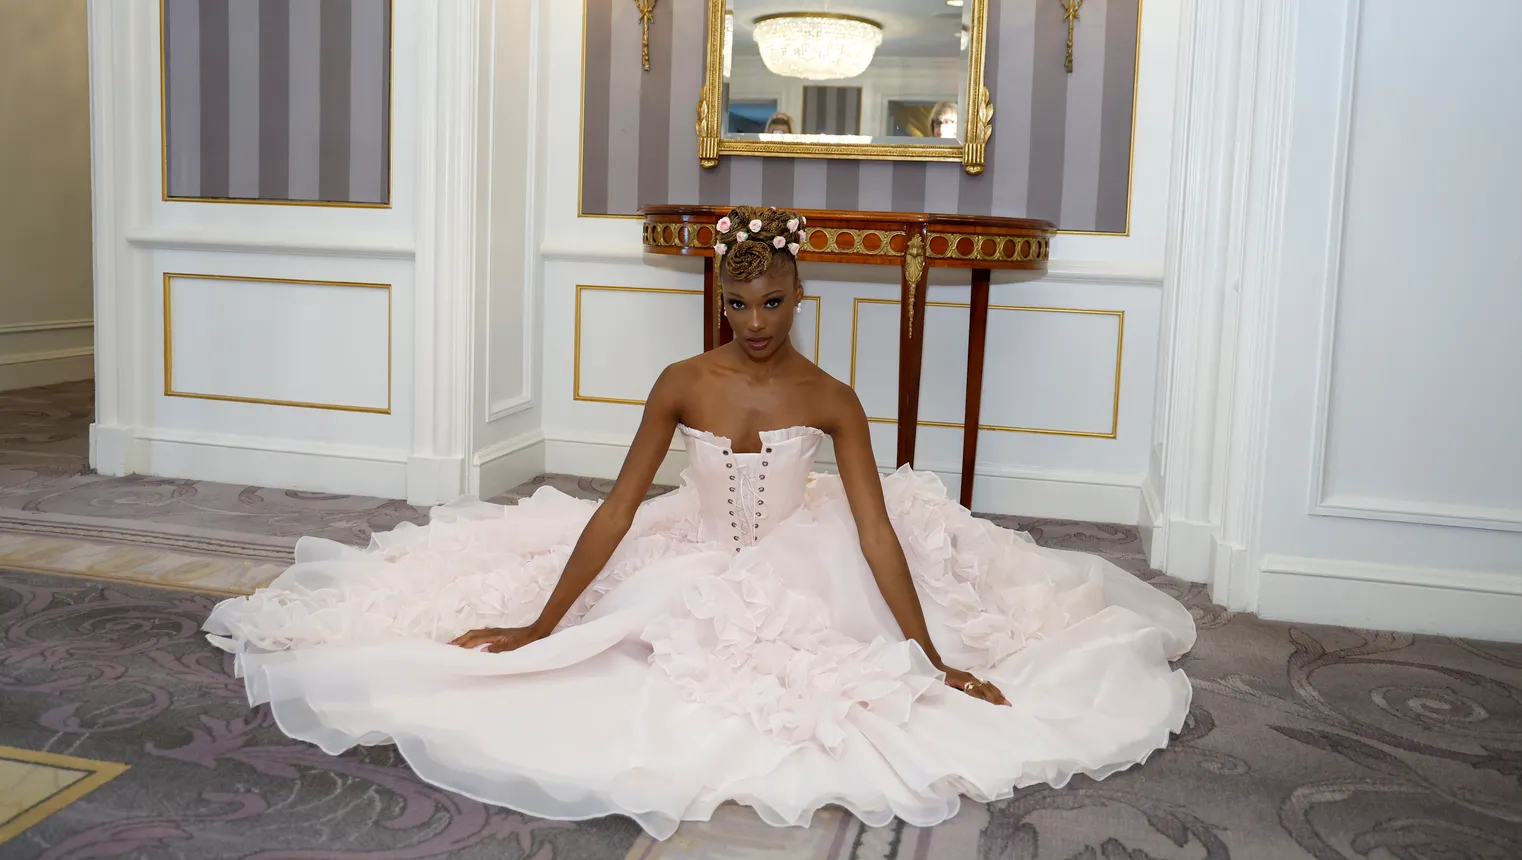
(780, 123)
(763, 635)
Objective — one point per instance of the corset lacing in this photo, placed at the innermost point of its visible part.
(746, 494)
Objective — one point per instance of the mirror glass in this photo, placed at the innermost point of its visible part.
(830, 71)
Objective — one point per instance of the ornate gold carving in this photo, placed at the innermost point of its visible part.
(1021, 249)
(647, 15)
(914, 269)
(683, 234)
(976, 154)
(858, 241)
(1070, 12)
(708, 131)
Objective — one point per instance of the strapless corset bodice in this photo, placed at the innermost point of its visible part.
(742, 497)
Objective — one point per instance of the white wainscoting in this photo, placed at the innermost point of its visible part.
(1022, 389)
(307, 344)
(1057, 441)
(314, 347)
(1431, 328)
(1346, 456)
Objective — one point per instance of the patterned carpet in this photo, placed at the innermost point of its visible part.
(1303, 741)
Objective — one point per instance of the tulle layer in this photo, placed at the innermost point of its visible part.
(690, 675)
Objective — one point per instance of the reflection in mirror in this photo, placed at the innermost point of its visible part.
(834, 71)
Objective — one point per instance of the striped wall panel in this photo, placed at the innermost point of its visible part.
(1061, 145)
(832, 110)
(278, 100)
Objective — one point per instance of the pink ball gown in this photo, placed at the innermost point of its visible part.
(734, 649)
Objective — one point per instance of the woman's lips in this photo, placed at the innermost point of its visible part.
(757, 343)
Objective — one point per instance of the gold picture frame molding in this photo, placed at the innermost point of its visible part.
(576, 349)
(170, 390)
(1120, 351)
(972, 153)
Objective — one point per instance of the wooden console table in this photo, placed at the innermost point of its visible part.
(911, 241)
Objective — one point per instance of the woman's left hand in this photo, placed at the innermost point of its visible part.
(975, 687)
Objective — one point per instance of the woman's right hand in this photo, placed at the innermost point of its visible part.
(497, 639)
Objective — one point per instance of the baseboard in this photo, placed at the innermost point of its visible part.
(46, 367)
(1067, 495)
(1094, 497)
(591, 456)
(110, 446)
(288, 464)
(1186, 550)
(1444, 602)
(500, 467)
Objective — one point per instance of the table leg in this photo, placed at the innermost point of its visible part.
(913, 286)
(977, 337)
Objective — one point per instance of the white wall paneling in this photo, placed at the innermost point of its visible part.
(1391, 319)
(1339, 402)
(422, 246)
(507, 442)
(1024, 390)
(303, 343)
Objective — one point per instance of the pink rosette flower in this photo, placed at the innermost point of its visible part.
(755, 226)
(793, 249)
(724, 224)
(719, 249)
(741, 236)
(778, 242)
(792, 225)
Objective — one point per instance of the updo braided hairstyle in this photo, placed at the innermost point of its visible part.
(749, 237)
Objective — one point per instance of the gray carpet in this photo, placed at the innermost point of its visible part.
(1303, 741)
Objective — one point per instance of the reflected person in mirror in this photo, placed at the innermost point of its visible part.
(765, 634)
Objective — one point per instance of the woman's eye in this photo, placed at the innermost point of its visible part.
(774, 303)
(739, 306)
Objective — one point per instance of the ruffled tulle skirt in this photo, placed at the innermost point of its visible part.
(689, 675)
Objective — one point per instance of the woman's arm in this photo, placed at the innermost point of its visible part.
(608, 524)
(879, 543)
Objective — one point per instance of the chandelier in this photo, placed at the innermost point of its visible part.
(817, 46)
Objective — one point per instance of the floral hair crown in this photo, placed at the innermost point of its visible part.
(749, 236)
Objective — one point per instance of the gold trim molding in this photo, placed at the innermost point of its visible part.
(1120, 331)
(972, 152)
(171, 391)
(576, 349)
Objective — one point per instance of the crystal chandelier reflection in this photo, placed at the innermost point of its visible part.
(817, 46)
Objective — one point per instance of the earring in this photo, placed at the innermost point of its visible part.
(798, 308)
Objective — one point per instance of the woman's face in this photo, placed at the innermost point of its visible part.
(761, 311)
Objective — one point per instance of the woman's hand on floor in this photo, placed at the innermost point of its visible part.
(975, 687)
(497, 639)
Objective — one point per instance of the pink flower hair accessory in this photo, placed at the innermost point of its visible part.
(719, 249)
(778, 242)
(724, 224)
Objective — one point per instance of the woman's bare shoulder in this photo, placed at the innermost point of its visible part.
(836, 401)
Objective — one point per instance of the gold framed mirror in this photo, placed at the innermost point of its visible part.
(892, 80)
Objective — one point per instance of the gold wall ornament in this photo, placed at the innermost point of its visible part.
(712, 144)
(646, 16)
(914, 269)
(1070, 12)
(708, 132)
